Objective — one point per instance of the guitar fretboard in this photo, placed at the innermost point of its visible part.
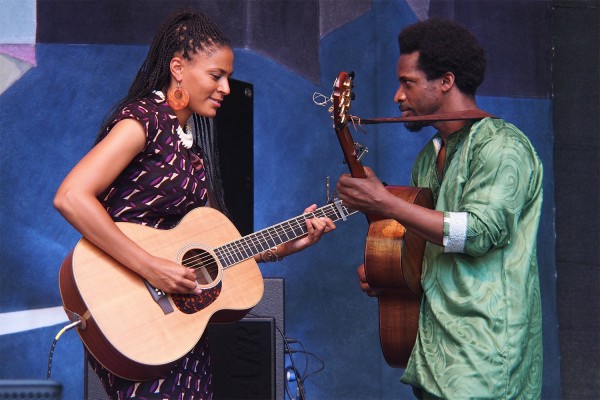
(248, 246)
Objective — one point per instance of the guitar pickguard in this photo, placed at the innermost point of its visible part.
(191, 303)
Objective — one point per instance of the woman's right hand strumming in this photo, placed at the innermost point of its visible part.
(76, 199)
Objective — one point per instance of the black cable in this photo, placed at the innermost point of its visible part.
(305, 361)
(287, 349)
(58, 335)
(301, 377)
(287, 390)
(308, 353)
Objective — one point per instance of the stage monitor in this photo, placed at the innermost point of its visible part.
(30, 389)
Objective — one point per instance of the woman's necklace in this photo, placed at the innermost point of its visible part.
(186, 138)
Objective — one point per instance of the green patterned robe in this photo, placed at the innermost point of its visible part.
(480, 331)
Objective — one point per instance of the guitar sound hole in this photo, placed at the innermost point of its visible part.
(204, 265)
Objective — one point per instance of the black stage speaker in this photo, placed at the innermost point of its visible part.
(234, 126)
(247, 356)
(30, 389)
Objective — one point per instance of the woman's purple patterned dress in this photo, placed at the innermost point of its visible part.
(158, 188)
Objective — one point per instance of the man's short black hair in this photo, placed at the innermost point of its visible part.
(446, 46)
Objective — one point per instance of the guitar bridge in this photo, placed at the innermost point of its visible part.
(160, 298)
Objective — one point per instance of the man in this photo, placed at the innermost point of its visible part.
(480, 333)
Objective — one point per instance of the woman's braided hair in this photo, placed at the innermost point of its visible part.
(188, 32)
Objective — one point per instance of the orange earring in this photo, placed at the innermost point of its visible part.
(178, 98)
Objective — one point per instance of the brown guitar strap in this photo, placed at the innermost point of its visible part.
(451, 116)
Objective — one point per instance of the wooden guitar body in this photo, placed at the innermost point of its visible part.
(128, 332)
(393, 265)
(393, 255)
(138, 332)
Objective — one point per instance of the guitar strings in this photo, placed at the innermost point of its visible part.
(227, 250)
(233, 250)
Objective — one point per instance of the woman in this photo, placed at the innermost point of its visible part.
(145, 168)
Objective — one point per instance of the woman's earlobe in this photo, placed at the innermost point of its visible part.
(176, 66)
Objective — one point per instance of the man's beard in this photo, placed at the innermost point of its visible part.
(415, 126)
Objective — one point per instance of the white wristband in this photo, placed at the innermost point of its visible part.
(455, 232)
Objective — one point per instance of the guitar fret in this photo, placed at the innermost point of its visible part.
(245, 249)
(241, 251)
(252, 245)
(299, 229)
(236, 254)
(223, 256)
(248, 246)
(280, 234)
(259, 241)
(267, 240)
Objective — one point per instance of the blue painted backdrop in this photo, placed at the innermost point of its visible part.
(48, 119)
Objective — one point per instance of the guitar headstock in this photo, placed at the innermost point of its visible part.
(342, 96)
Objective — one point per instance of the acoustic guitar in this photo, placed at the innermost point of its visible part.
(393, 256)
(138, 332)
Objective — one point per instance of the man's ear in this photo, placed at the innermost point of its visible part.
(176, 67)
(447, 81)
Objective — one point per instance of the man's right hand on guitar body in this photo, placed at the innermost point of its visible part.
(370, 196)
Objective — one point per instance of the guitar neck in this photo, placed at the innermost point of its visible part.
(348, 148)
(248, 246)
